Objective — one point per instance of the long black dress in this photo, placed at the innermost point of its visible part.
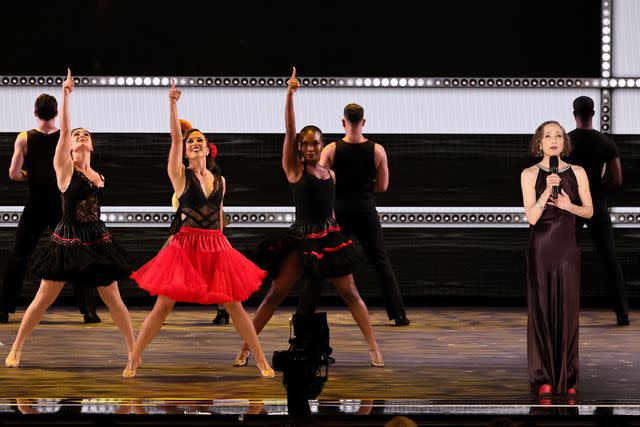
(553, 291)
(81, 250)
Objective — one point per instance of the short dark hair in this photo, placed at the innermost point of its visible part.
(211, 163)
(535, 147)
(583, 107)
(353, 113)
(46, 107)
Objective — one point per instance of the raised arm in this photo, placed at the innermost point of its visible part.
(175, 167)
(62, 162)
(291, 164)
(382, 169)
(19, 153)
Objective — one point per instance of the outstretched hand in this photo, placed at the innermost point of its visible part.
(293, 83)
(68, 84)
(174, 93)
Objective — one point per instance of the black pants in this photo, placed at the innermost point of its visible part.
(601, 232)
(41, 211)
(364, 226)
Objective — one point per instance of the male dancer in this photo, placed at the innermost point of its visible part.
(32, 162)
(600, 157)
(361, 169)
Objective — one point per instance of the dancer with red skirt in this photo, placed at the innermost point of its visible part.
(199, 265)
(314, 247)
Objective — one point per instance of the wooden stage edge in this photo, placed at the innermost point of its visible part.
(447, 358)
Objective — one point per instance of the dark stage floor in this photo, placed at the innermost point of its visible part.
(449, 361)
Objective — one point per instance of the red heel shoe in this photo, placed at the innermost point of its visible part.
(545, 390)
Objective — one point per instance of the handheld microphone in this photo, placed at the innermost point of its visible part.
(553, 166)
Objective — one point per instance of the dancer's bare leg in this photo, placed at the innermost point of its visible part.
(46, 295)
(347, 290)
(111, 297)
(150, 328)
(245, 328)
(280, 287)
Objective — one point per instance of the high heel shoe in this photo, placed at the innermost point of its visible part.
(222, 318)
(545, 390)
(377, 361)
(131, 369)
(13, 358)
(266, 371)
(242, 359)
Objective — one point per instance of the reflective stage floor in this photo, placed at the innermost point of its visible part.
(449, 363)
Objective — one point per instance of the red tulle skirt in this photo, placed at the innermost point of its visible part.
(200, 266)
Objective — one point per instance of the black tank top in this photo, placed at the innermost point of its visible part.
(355, 175)
(313, 197)
(39, 159)
(196, 209)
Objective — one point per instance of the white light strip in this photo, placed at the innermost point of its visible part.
(605, 39)
(360, 82)
(283, 216)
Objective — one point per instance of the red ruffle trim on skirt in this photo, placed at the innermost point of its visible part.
(200, 266)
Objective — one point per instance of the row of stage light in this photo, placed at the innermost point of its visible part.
(457, 82)
(283, 216)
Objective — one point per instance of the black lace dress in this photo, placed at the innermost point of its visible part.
(81, 250)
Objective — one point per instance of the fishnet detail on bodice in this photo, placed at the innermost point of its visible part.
(88, 210)
(204, 217)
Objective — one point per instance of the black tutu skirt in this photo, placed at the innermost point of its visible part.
(324, 251)
(83, 254)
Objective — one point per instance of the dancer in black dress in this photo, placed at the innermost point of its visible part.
(80, 250)
(32, 162)
(314, 247)
(553, 262)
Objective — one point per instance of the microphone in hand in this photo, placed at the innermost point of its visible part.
(553, 166)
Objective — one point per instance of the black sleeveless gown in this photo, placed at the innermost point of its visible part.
(553, 292)
(81, 250)
(315, 234)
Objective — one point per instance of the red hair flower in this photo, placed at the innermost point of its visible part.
(213, 150)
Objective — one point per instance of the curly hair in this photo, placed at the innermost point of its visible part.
(535, 146)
